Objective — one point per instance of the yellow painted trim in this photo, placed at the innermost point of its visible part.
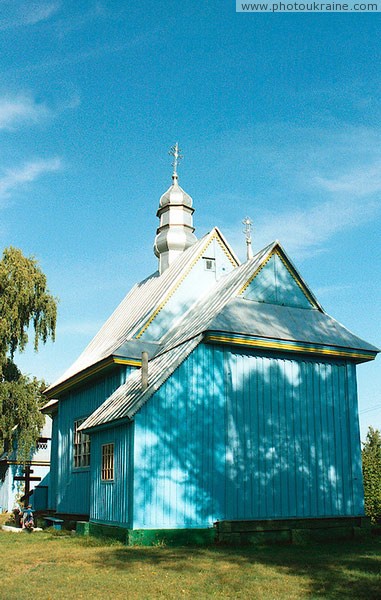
(63, 387)
(132, 362)
(296, 278)
(172, 291)
(289, 269)
(248, 282)
(225, 250)
(279, 346)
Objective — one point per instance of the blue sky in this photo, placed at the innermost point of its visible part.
(278, 117)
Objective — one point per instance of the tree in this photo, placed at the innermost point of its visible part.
(371, 466)
(25, 302)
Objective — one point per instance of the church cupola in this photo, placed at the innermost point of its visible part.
(175, 232)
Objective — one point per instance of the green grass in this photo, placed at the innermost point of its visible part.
(47, 566)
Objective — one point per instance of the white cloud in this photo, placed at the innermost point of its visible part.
(359, 182)
(305, 231)
(34, 12)
(13, 179)
(308, 184)
(17, 110)
(18, 13)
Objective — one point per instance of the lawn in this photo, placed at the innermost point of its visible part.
(46, 565)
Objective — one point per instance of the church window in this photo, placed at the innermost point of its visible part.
(81, 446)
(107, 462)
(209, 264)
(42, 443)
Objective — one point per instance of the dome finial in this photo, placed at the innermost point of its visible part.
(175, 232)
(177, 156)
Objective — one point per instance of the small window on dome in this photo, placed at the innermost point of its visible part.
(209, 264)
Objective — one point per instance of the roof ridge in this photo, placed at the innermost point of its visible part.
(121, 327)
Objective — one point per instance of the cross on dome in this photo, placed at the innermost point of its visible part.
(177, 156)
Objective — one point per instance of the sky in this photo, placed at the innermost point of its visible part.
(278, 117)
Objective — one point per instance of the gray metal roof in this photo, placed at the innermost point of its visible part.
(129, 397)
(177, 345)
(135, 310)
(241, 316)
(223, 310)
(200, 315)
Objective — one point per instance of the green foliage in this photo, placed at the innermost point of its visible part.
(25, 302)
(20, 402)
(371, 465)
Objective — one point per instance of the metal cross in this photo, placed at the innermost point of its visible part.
(175, 152)
(247, 229)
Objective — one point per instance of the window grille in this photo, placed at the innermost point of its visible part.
(42, 445)
(81, 446)
(107, 462)
(209, 264)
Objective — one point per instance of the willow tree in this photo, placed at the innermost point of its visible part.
(26, 306)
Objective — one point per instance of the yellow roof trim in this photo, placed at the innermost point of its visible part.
(290, 269)
(80, 377)
(214, 236)
(266, 344)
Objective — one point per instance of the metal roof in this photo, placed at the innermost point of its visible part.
(136, 309)
(242, 316)
(223, 310)
(177, 345)
(199, 316)
(129, 397)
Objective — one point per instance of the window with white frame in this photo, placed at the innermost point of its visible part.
(107, 462)
(81, 446)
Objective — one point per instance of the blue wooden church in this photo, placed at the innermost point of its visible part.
(217, 392)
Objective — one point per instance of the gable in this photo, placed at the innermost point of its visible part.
(158, 300)
(213, 261)
(276, 282)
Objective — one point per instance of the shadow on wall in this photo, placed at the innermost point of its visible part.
(237, 435)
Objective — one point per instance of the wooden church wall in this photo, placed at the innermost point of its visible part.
(72, 484)
(52, 489)
(111, 501)
(234, 435)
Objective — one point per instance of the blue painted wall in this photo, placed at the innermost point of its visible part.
(70, 491)
(232, 435)
(52, 490)
(111, 501)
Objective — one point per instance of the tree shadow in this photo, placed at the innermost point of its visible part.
(240, 435)
(340, 570)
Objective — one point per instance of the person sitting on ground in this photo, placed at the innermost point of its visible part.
(27, 518)
(17, 516)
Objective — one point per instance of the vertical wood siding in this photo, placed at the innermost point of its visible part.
(73, 485)
(232, 435)
(111, 500)
(52, 489)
